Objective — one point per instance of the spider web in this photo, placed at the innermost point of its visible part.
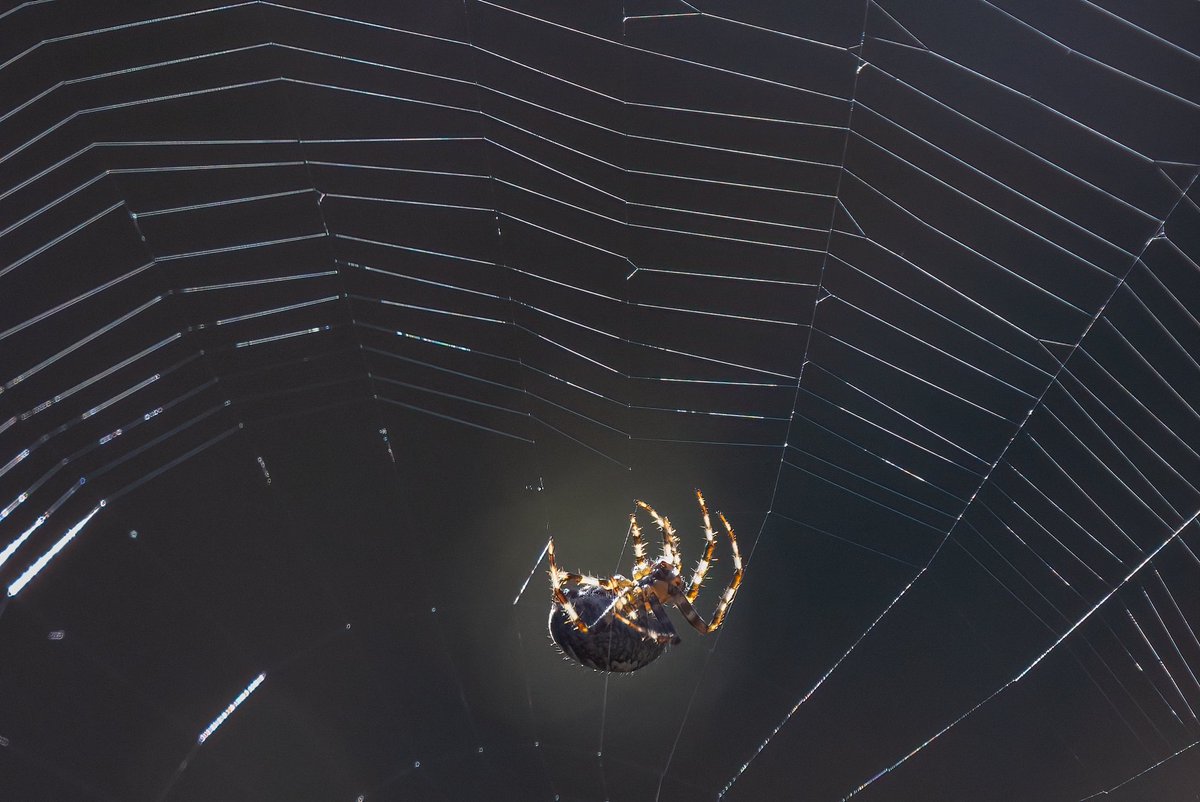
(908, 289)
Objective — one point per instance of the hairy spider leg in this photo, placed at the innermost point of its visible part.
(622, 587)
(619, 585)
(647, 632)
(608, 583)
(734, 583)
(557, 580)
(670, 539)
(641, 566)
(659, 612)
(680, 599)
(710, 544)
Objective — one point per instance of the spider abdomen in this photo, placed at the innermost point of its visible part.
(609, 644)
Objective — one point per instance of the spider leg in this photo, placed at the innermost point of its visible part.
(641, 566)
(608, 583)
(734, 583)
(681, 600)
(670, 539)
(658, 611)
(557, 580)
(710, 543)
(647, 632)
(622, 588)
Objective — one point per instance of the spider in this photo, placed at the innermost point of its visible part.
(620, 624)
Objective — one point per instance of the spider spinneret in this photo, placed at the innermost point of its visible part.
(621, 624)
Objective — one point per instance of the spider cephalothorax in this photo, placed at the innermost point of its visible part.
(620, 624)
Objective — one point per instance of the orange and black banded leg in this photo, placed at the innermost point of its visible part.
(734, 583)
(670, 539)
(680, 600)
(621, 587)
(659, 612)
(647, 632)
(641, 566)
(710, 544)
(557, 580)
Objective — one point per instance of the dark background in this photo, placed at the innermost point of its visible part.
(343, 308)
